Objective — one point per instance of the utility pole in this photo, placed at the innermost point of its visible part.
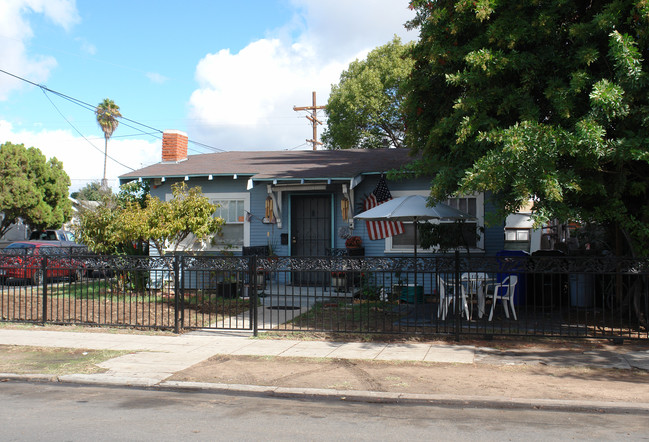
(313, 118)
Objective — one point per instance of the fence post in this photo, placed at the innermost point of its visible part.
(176, 293)
(181, 289)
(44, 285)
(458, 297)
(252, 278)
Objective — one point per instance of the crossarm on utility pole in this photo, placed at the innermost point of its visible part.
(313, 118)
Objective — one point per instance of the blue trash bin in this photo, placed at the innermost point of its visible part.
(515, 267)
(582, 289)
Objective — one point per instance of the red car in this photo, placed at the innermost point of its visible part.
(24, 260)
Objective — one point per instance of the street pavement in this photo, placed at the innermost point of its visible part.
(155, 358)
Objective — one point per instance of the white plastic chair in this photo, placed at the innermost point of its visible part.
(504, 291)
(447, 295)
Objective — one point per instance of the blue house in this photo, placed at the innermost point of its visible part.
(300, 203)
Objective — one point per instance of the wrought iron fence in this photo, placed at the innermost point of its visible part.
(602, 297)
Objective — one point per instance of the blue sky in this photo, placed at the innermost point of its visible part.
(226, 72)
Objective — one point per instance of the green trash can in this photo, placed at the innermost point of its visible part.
(412, 294)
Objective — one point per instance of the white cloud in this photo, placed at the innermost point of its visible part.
(61, 12)
(156, 78)
(87, 47)
(245, 100)
(343, 28)
(81, 161)
(16, 31)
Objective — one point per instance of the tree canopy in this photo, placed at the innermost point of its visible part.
(92, 192)
(547, 101)
(134, 216)
(32, 188)
(364, 108)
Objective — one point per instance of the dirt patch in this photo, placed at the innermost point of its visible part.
(520, 381)
(70, 304)
(55, 361)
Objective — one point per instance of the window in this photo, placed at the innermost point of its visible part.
(232, 232)
(232, 208)
(405, 240)
(472, 205)
(465, 204)
(517, 239)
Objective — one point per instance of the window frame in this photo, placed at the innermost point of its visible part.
(508, 243)
(228, 196)
(215, 198)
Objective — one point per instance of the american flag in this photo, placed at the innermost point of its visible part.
(381, 229)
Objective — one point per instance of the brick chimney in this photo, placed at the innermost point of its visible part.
(174, 146)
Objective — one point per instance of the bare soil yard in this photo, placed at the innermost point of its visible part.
(149, 310)
(510, 381)
(54, 361)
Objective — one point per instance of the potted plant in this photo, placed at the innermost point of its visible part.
(353, 242)
(353, 245)
(261, 278)
(338, 279)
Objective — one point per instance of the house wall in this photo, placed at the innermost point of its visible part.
(261, 234)
(523, 220)
(493, 238)
(377, 247)
(213, 189)
(217, 185)
(494, 235)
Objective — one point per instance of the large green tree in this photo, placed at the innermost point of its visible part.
(32, 188)
(107, 113)
(542, 100)
(365, 108)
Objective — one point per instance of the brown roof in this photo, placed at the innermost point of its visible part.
(307, 164)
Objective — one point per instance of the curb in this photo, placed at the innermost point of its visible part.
(414, 399)
(492, 402)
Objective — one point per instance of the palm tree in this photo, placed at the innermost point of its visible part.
(107, 112)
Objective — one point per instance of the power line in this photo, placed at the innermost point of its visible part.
(123, 136)
(297, 147)
(93, 109)
(80, 134)
(215, 149)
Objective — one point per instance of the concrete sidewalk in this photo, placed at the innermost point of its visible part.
(156, 358)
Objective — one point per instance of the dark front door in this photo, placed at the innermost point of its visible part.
(310, 232)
